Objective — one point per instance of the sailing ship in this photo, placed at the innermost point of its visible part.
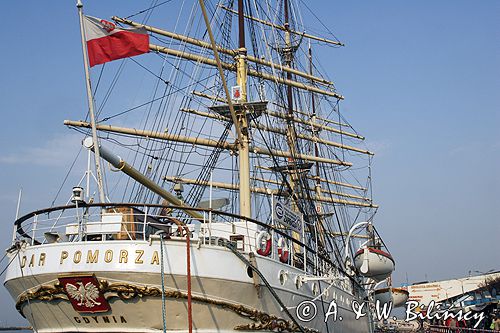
(244, 201)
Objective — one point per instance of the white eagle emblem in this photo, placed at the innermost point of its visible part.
(85, 295)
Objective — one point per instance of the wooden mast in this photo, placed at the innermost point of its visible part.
(291, 136)
(317, 187)
(243, 147)
(288, 54)
(315, 132)
(239, 119)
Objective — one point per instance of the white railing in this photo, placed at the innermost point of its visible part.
(110, 222)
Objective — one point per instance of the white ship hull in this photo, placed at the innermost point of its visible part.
(225, 298)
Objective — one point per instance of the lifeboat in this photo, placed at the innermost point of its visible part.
(397, 296)
(374, 263)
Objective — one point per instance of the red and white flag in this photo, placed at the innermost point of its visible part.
(106, 42)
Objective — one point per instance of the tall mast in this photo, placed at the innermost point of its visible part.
(239, 117)
(90, 100)
(243, 146)
(291, 137)
(317, 186)
(288, 55)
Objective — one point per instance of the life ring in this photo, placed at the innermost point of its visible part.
(283, 250)
(264, 243)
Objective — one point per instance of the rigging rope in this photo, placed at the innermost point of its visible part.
(188, 265)
(67, 175)
(163, 308)
(317, 18)
(196, 192)
(148, 9)
(5, 255)
(231, 247)
(10, 262)
(22, 276)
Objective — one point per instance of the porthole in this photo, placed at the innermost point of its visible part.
(250, 272)
(298, 282)
(315, 289)
(283, 277)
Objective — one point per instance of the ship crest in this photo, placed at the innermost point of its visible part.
(84, 294)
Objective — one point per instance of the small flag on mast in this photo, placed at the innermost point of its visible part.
(106, 42)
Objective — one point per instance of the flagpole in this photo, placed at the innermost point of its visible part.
(102, 196)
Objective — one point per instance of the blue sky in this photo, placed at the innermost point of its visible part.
(421, 80)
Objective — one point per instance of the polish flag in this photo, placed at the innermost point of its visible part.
(106, 42)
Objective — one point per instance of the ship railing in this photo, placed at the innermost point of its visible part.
(132, 221)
